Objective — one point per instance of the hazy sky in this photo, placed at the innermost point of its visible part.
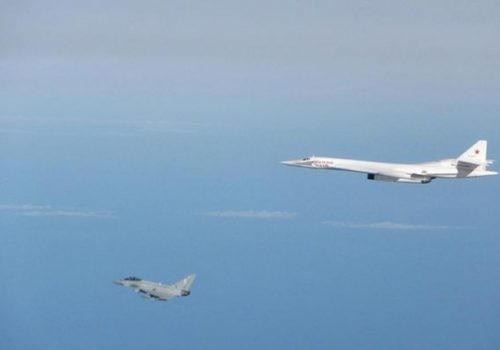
(144, 138)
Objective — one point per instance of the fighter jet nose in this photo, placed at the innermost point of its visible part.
(289, 162)
(120, 283)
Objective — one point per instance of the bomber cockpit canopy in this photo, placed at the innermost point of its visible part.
(132, 278)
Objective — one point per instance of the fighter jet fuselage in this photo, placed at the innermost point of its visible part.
(156, 290)
(472, 163)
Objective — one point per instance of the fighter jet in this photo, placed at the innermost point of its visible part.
(158, 291)
(472, 163)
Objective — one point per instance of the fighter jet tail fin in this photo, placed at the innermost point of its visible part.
(186, 282)
(476, 154)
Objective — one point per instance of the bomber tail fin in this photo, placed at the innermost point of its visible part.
(473, 162)
(476, 154)
(186, 282)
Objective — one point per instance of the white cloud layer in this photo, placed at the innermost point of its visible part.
(252, 214)
(388, 225)
(47, 210)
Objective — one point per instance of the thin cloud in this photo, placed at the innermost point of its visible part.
(49, 211)
(388, 225)
(252, 214)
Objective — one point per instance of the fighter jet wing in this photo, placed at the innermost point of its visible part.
(163, 296)
(154, 297)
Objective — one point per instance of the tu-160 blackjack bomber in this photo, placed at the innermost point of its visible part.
(158, 291)
(471, 164)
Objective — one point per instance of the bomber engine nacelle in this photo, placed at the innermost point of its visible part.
(377, 177)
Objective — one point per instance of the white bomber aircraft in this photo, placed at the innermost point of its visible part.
(158, 291)
(472, 163)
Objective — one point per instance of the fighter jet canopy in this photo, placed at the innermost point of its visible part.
(132, 278)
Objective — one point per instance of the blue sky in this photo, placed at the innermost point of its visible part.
(145, 139)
